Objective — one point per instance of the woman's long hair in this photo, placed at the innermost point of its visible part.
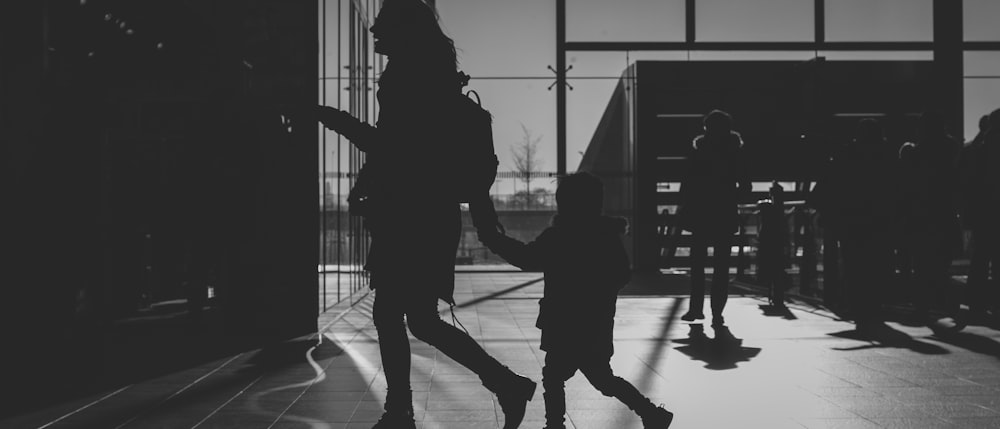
(418, 23)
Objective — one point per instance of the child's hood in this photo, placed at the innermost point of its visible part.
(600, 224)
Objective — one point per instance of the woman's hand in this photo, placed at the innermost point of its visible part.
(334, 119)
(489, 236)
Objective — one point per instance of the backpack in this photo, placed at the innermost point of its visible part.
(471, 151)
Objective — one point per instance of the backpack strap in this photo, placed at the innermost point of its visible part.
(472, 92)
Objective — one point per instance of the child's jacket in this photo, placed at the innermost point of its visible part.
(585, 266)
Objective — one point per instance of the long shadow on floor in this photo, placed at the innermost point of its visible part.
(888, 337)
(970, 341)
(781, 311)
(724, 351)
(658, 350)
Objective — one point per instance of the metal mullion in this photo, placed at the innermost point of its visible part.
(819, 21)
(351, 58)
(981, 46)
(366, 98)
(322, 212)
(561, 102)
(690, 21)
(339, 148)
(751, 46)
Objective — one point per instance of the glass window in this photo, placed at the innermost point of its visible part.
(980, 64)
(345, 79)
(879, 20)
(621, 20)
(754, 20)
(594, 77)
(877, 55)
(501, 38)
(981, 22)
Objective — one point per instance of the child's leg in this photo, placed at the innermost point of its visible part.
(557, 370)
(601, 377)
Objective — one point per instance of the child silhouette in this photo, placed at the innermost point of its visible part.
(585, 266)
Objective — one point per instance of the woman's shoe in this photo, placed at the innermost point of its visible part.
(513, 395)
(718, 321)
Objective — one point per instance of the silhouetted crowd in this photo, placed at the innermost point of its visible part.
(898, 215)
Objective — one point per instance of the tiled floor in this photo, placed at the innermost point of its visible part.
(804, 371)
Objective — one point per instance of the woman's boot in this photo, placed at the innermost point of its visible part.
(513, 393)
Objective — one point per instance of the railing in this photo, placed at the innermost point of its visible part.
(782, 247)
(777, 245)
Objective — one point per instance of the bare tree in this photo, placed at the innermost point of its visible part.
(526, 160)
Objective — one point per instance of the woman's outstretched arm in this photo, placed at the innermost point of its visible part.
(360, 133)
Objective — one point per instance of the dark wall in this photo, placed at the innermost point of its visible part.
(144, 169)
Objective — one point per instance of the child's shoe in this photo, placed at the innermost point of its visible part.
(402, 419)
(691, 316)
(659, 418)
(718, 321)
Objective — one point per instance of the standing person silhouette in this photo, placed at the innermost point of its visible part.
(415, 235)
(982, 197)
(716, 180)
(930, 215)
(856, 201)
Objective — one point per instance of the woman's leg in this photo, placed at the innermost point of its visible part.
(513, 391)
(394, 346)
(425, 324)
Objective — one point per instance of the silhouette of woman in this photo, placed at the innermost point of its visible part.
(710, 193)
(415, 236)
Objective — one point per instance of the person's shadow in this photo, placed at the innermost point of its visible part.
(969, 341)
(724, 351)
(887, 337)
